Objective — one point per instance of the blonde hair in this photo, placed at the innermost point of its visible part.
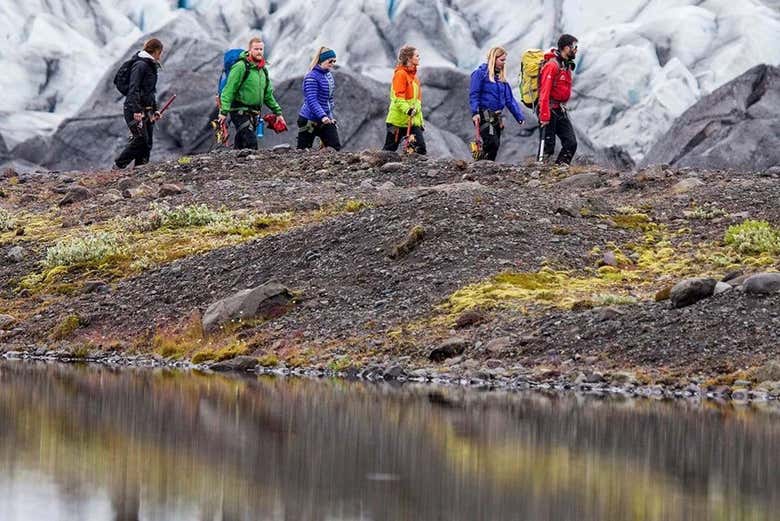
(316, 60)
(254, 40)
(405, 54)
(493, 54)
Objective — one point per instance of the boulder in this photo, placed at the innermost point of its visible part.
(690, 291)
(582, 181)
(686, 185)
(239, 363)
(770, 371)
(392, 167)
(6, 321)
(75, 194)
(450, 348)
(15, 254)
(722, 287)
(267, 301)
(169, 189)
(762, 283)
(499, 346)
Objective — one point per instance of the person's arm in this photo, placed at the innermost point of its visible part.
(230, 91)
(310, 91)
(511, 104)
(474, 89)
(548, 71)
(399, 90)
(134, 91)
(270, 100)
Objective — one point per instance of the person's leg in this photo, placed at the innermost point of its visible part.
(136, 144)
(392, 139)
(419, 141)
(305, 134)
(146, 153)
(491, 140)
(565, 131)
(329, 135)
(549, 135)
(245, 131)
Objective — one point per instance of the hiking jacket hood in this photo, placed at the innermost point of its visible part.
(142, 91)
(554, 84)
(318, 90)
(405, 94)
(255, 92)
(488, 95)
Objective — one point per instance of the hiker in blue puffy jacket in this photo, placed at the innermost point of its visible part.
(489, 95)
(315, 119)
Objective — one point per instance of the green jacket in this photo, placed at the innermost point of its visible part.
(253, 94)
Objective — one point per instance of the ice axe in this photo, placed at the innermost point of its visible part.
(408, 142)
(167, 104)
(476, 145)
(221, 131)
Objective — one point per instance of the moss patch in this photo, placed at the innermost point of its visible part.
(66, 327)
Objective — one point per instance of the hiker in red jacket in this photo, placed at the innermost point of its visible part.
(554, 91)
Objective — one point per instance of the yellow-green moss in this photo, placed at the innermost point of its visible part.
(631, 221)
(354, 205)
(66, 327)
(269, 360)
(340, 363)
(184, 160)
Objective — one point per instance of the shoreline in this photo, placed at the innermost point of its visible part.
(498, 379)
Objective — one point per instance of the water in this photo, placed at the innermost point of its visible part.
(85, 443)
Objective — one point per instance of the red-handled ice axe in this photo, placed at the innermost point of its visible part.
(167, 104)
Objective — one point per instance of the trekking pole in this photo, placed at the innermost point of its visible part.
(540, 155)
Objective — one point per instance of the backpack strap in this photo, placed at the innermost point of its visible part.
(247, 70)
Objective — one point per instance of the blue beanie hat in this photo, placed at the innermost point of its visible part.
(327, 55)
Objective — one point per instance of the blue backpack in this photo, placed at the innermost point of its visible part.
(230, 59)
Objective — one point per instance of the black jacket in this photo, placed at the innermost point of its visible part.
(143, 85)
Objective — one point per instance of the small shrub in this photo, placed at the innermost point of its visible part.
(269, 360)
(354, 205)
(193, 215)
(184, 160)
(610, 299)
(706, 212)
(66, 327)
(7, 221)
(753, 237)
(92, 248)
(339, 364)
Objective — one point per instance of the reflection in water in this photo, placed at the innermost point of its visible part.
(85, 443)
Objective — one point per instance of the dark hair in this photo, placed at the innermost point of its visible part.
(566, 40)
(153, 45)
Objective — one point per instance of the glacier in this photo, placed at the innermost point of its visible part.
(642, 63)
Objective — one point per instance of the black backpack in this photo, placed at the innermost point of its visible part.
(122, 78)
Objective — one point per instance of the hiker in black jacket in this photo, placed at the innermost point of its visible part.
(140, 108)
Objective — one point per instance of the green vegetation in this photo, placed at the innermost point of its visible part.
(93, 248)
(753, 237)
(7, 221)
(66, 327)
(184, 160)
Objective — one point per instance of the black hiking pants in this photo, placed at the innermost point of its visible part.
(308, 130)
(139, 147)
(490, 128)
(246, 128)
(395, 135)
(560, 126)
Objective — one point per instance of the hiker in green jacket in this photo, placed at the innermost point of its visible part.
(248, 88)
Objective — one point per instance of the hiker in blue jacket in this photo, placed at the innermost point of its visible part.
(315, 119)
(489, 95)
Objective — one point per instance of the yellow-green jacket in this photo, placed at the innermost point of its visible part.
(405, 94)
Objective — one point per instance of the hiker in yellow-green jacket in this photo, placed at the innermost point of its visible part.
(406, 104)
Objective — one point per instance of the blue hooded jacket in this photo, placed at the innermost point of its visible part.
(318, 88)
(485, 94)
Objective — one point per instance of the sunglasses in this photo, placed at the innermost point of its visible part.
(332, 60)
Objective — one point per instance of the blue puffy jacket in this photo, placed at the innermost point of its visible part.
(485, 94)
(318, 87)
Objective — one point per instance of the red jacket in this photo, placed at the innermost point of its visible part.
(555, 85)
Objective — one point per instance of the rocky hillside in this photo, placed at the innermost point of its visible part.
(347, 260)
(737, 126)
